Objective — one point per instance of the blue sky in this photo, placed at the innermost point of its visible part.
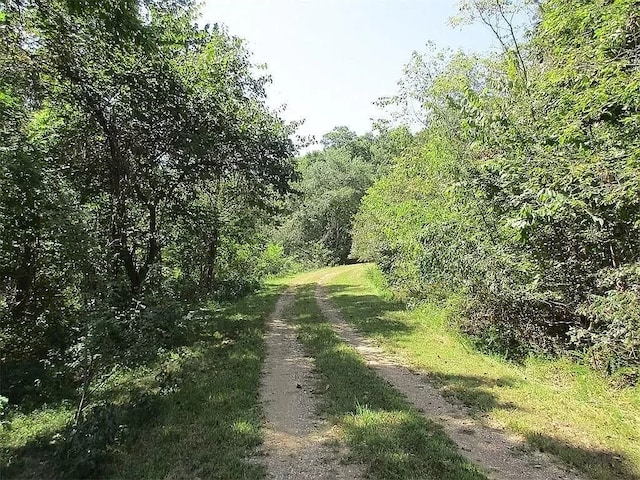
(331, 59)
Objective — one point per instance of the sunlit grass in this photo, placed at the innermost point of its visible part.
(42, 422)
(559, 406)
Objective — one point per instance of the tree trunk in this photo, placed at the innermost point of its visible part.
(209, 272)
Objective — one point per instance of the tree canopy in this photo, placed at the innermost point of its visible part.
(139, 162)
(522, 190)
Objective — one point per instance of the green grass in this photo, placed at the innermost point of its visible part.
(196, 414)
(25, 441)
(558, 406)
(383, 432)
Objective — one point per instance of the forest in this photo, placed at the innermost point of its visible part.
(519, 194)
(143, 176)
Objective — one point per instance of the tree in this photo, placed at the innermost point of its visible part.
(536, 148)
(167, 116)
(123, 122)
(333, 181)
(331, 186)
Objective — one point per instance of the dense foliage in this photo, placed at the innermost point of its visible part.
(522, 192)
(142, 172)
(317, 230)
(138, 166)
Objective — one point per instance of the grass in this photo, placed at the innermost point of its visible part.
(196, 414)
(383, 432)
(558, 406)
(25, 441)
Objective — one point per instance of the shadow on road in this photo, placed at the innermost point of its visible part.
(368, 313)
(384, 432)
(608, 465)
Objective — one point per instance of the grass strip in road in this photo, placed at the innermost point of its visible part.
(559, 406)
(383, 431)
(193, 414)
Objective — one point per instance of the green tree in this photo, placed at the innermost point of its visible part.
(123, 126)
(333, 181)
(536, 149)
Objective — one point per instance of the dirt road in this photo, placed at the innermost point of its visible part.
(298, 444)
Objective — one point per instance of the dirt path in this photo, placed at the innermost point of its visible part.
(500, 455)
(295, 444)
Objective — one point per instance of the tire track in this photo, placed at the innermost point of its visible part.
(502, 456)
(295, 442)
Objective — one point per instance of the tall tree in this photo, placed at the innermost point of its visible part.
(119, 119)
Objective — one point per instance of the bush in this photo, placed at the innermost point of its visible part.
(522, 194)
(612, 337)
(273, 261)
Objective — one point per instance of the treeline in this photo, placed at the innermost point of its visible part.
(521, 194)
(139, 167)
(316, 229)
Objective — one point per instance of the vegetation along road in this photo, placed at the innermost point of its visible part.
(195, 284)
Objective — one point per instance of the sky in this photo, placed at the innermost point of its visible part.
(331, 59)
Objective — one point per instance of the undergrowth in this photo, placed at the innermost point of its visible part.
(193, 414)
